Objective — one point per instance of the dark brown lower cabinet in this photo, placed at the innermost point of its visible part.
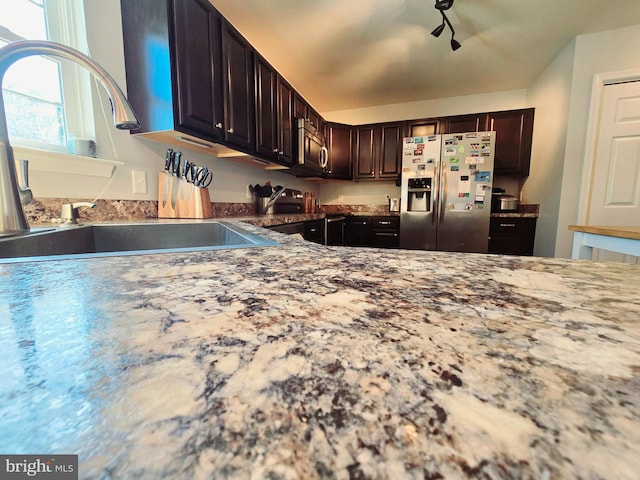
(512, 235)
(385, 232)
(357, 232)
(314, 231)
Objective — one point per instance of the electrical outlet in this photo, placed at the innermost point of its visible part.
(248, 193)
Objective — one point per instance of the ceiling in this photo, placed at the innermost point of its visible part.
(343, 54)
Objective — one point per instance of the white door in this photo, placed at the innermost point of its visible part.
(614, 197)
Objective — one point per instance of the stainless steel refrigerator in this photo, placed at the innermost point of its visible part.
(446, 192)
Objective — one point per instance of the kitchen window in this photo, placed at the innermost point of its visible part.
(47, 99)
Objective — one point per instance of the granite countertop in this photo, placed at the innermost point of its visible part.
(531, 210)
(307, 361)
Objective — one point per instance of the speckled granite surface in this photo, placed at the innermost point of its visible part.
(43, 210)
(525, 211)
(303, 361)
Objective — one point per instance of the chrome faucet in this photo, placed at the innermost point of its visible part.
(12, 195)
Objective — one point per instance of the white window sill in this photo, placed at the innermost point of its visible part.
(44, 161)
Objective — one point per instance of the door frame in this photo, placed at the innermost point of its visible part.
(600, 80)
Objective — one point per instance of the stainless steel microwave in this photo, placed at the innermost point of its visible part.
(311, 153)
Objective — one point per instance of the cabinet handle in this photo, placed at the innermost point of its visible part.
(507, 224)
(275, 150)
(219, 125)
(384, 223)
(230, 130)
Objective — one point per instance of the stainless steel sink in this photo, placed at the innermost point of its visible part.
(126, 239)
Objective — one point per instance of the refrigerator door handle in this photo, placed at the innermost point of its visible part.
(443, 189)
(435, 201)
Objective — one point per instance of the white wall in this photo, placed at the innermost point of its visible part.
(610, 51)
(507, 100)
(550, 95)
(104, 30)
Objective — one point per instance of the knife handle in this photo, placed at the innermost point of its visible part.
(168, 159)
(176, 163)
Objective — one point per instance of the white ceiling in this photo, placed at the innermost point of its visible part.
(342, 54)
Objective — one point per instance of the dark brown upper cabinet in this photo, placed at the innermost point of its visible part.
(476, 122)
(423, 127)
(302, 109)
(514, 134)
(340, 146)
(266, 109)
(390, 160)
(364, 162)
(514, 131)
(285, 130)
(174, 66)
(239, 93)
(274, 114)
(377, 151)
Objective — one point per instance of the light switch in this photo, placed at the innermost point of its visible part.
(139, 180)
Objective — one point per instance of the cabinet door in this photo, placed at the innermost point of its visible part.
(364, 157)
(514, 131)
(422, 128)
(465, 123)
(239, 95)
(198, 67)
(299, 107)
(390, 157)
(314, 231)
(314, 118)
(285, 122)
(340, 149)
(266, 111)
(512, 235)
(357, 232)
(384, 239)
(173, 62)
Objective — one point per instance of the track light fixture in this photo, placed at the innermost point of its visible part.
(441, 6)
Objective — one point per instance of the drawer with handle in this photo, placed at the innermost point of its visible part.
(385, 232)
(387, 223)
(512, 236)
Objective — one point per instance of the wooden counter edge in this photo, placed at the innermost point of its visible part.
(631, 232)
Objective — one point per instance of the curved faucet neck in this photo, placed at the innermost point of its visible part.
(12, 218)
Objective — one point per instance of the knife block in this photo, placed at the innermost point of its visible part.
(178, 198)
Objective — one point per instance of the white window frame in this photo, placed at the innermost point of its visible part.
(66, 25)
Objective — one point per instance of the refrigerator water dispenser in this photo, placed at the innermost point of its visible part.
(419, 193)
